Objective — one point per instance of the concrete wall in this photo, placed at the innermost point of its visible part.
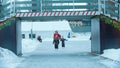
(110, 36)
(95, 36)
(19, 38)
(9, 38)
(104, 36)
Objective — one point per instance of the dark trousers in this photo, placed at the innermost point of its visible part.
(56, 43)
(56, 46)
(63, 44)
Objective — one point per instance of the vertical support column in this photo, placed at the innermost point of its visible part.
(41, 6)
(73, 6)
(99, 6)
(104, 8)
(119, 12)
(31, 32)
(14, 7)
(19, 37)
(95, 35)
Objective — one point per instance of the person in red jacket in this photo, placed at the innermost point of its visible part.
(57, 35)
(56, 38)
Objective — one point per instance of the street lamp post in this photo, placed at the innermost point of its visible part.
(32, 30)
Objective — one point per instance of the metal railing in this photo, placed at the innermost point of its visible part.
(7, 9)
(56, 5)
(111, 8)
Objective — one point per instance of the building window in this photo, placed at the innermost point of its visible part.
(23, 36)
(32, 36)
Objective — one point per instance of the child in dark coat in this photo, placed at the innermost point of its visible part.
(63, 41)
(39, 38)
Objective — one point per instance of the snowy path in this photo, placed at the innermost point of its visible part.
(76, 54)
(78, 60)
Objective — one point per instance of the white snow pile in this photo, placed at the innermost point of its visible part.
(29, 45)
(46, 26)
(113, 54)
(8, 59)
(110, 64)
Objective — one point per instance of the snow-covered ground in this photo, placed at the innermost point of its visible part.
(76, 54)
(113, 54)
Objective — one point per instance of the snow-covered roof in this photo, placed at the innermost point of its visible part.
(46, 26)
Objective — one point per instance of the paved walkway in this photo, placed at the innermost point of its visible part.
(70, 57)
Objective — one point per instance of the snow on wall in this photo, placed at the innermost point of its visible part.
(46, 26)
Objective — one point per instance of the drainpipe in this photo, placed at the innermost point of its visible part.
(119, 12)
(73, 5)
(104, 8)
(41, 6)
(10, 8)
(14, 7)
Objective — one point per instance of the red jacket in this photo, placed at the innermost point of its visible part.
(57, 35)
